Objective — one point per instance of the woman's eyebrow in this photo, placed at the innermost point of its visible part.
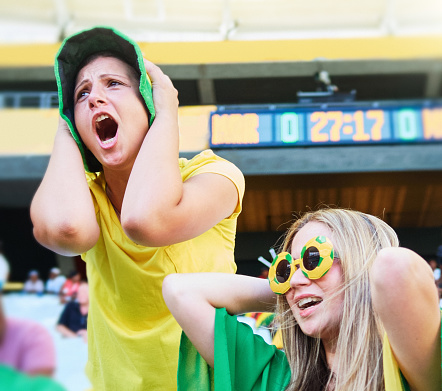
(85, 81)
(102, 76)
(106, 75)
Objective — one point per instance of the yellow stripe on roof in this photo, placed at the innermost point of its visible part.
(394, 48)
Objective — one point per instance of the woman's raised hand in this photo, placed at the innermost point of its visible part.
(165, 95)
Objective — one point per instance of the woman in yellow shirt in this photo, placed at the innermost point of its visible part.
(138, 213)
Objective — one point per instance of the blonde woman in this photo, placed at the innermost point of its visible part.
(357, 313)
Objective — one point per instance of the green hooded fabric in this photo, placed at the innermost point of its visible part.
(72, 54)
(12, 380)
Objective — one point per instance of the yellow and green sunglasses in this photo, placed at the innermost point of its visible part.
(316, 260)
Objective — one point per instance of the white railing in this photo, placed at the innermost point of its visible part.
(27, 21)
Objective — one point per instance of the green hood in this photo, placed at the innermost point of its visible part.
(73, 51)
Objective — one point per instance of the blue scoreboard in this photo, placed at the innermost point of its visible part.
(326, 124)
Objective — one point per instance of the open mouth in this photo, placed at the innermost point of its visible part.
(308, 302)
(106, 129)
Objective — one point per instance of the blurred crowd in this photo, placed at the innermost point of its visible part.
(27, 351)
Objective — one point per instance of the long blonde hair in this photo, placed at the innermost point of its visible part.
(357, 237)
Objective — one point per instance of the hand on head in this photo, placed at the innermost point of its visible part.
(165, 96)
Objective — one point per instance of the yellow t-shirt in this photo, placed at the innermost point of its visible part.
(393, 378)
(133, 339)
(392, 374)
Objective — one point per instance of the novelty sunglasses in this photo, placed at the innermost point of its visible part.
(316, 260)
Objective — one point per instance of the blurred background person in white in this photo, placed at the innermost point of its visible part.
(4, 267)
(33, 284)
(55, 281)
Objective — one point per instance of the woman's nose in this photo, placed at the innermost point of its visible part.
(299, 279)
(96, 97)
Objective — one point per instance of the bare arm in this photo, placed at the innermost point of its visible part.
(170, 211)
(192, 299)
(62, 210)
(65, 332)
(83, 334)
(406, 299)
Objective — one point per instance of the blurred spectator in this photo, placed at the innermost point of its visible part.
(55, 281)
(436, 270)
(13, 380)
(4, 267)
(26, 346)
(33, 284)
(439, 255)
(70, 287)
(264, 273)
(435, 266)
(73, 319)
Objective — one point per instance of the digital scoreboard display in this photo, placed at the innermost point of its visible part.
(325, 124)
